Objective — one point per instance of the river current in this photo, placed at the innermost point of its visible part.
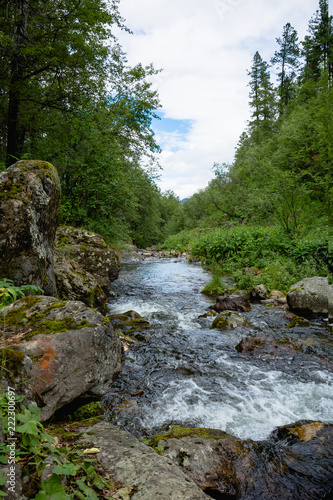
(187, 374)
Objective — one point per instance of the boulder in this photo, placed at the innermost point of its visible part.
(29, 211)
(135, 464)
(265, 346)
(237, 303)
(259, 293)
(309, 297)
(130, 253)
(74, 283)
(228, 320)
(294, 462)
(91, 252)
(73, 351)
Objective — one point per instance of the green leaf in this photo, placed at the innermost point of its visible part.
(66, 469)
(89, 492)
(52, 490)
(28, 428)
(3, 478)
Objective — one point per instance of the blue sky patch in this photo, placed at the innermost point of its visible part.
(172, 133)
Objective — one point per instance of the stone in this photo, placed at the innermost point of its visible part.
(29, 211)
(91, 252)
(74, 351)
(14, 485)
(309, 297)
(258, 293)
(237, 303)
(228, 320)
(74, 283)
(257, 345)
(130, 253)
(295, 461)
(135, 464)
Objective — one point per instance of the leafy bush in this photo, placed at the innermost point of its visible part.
(34, 448)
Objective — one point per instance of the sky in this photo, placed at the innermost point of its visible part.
(205, 48)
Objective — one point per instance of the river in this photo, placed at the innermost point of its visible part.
(187, 374)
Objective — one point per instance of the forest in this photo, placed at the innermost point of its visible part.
(69, 96)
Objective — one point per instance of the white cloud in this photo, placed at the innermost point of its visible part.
(205, 48)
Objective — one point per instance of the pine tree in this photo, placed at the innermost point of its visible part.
(318, 46)
(287, 60)
(261, 97)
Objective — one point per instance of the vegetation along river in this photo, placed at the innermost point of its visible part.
(190, 375)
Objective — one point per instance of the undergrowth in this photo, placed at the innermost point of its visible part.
(281, 258)
(73, 470)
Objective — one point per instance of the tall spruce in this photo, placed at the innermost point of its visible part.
(318, 46)
(261, 96)
(287, 61)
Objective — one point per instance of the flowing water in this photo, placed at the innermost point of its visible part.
(187, 374)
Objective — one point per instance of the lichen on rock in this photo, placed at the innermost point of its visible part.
(29, 212)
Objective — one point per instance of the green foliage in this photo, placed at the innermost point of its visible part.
(9, 292)
(216, 286)
(36, 447)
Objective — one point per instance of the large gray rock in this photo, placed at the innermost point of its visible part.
(309, 297)
(134, 463)
(91, 252)
(74, 283)
(29, 211)
(73, 351)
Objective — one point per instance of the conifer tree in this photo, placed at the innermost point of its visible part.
(286, 58)
(261, 97)
(318, 46)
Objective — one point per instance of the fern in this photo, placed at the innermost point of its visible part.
(10, 293)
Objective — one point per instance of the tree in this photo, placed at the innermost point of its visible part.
(318, 47)
(287, 60)
(261, 97)
(54, 54)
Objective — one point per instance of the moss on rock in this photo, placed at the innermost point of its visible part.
(177, 432)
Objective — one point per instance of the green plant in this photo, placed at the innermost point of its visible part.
(10, 293)
(36, 449)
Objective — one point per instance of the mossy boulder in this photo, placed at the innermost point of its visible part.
(74, 351)
(74, 283)
(295, 461)
(310, 297)
(130, 323)
(29, 211)
(130, 461)
(91, 252)
(228, 320)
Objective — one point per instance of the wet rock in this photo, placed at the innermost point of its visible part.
(259, 293)
(74, 283)
(74, 351)
(296, 461)
(130, 323)
(29, 211)
(133, 463)
(130, 253)
(237, 303)
(228, 320)
(91, 252)
(264, 346)
(309, 297)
